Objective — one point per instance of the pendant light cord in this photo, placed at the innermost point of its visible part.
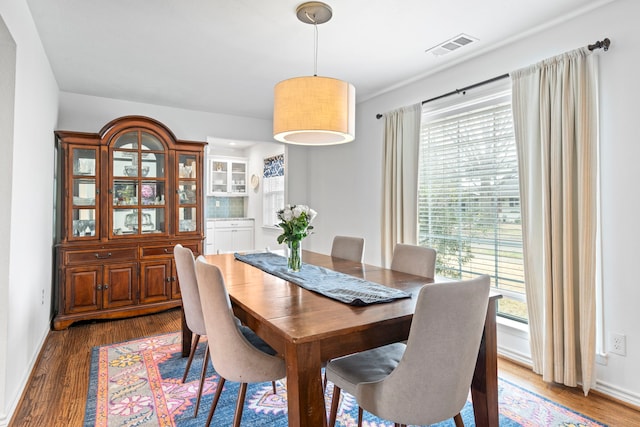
(315, 43)
(315, 51)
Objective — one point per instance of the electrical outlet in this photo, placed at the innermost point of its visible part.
(618, 344)
(42, 299)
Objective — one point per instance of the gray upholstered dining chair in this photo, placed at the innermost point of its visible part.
(413, 259)
(234, 357)
(192, 308)
(186, 269)
(345, 247)
(428, 379)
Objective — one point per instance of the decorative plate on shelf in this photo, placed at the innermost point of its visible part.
(255, 181)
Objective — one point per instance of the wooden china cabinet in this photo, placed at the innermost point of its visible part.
(125, 197)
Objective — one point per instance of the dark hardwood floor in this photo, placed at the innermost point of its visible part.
(57, 389)
(595, 405)
(56, 393)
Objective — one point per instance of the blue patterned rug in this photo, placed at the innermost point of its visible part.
(139, 383)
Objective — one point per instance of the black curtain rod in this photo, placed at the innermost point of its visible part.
(604, 44)
(457, 91)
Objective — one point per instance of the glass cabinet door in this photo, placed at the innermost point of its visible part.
(187, 193)
(218, 176)
(238, 177)
(226, 176)
(84, 194)
(138, 184)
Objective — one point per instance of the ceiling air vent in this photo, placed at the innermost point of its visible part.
(452, 44)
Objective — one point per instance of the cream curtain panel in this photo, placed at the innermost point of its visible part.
(400, 179)
(556, 127)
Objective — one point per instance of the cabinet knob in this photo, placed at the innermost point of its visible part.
(105, 286)
(98, 256)
(168, 279)
(99, 287)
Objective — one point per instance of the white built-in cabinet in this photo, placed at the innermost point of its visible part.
(209, 247)
(226, 176)
(229, 235)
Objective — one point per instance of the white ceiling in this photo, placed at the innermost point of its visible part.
(226, 56)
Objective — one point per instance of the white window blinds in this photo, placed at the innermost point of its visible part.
(468, 196)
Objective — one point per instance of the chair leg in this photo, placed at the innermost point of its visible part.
(335, 399)
(203, 375)
(359, 416)
(194, 344)
(273, 383)
(458, 420)
(215, 400)
(240, 404)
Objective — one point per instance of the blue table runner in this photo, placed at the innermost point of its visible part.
(332, 284)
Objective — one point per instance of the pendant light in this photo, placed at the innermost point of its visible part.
(314, 110)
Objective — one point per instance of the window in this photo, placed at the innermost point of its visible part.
(272, 189)
(469, 198)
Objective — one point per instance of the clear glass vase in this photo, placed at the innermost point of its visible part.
(294, 262)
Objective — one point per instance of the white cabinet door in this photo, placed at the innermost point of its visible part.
(233, 235)
(243, 239)
(209, 247)
(238, 182)
(217, 176)
(224, 240)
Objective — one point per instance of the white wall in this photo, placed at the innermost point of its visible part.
(89, 113)
(7, 102)
(264, 236)
(344, 182)
(27, 205)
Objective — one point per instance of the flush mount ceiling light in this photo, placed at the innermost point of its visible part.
(314, 110)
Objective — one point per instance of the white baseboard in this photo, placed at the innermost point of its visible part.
(618, 393)
(12, 405)
(521, 358)
(606, 389)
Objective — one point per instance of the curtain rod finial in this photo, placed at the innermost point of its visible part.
(604, 44)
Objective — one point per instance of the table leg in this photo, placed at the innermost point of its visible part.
(186, 336)
(304, 385)
(484, 386)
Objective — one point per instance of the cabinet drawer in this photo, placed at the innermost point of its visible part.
(74, 257)
(236, 223)
(155, 251)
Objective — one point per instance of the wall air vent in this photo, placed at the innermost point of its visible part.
(452, 44)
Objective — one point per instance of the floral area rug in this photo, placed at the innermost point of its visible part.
(139, 383)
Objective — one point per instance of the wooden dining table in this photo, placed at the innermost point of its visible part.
(308, 329)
